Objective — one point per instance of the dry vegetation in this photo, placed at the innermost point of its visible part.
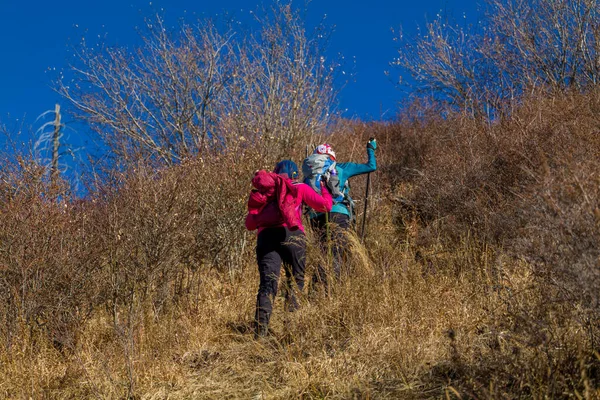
(478, 278)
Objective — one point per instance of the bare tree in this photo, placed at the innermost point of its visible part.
(285, 90)
(552, 42)
(155, 101)
(517, 46)
(203, 88)
(445, 63)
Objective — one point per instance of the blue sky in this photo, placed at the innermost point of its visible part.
(36, 37)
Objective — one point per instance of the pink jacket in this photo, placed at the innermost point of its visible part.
(278, 202)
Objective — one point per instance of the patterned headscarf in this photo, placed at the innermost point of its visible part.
(325, 148)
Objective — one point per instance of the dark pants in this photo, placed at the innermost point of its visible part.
(274, 247)
(337, 242)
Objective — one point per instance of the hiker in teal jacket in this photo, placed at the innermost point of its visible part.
(342, 213)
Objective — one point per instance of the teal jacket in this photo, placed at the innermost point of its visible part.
(349, 169)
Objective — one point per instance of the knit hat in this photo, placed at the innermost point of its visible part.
(288, 168)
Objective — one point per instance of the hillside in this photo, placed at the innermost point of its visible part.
(478, 278)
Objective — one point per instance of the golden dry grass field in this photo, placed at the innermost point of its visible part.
(478, 277)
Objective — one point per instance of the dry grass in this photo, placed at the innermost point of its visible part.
(407, 330)
(147, 289)
(360, 341)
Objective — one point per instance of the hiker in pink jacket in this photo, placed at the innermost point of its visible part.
(275, 209)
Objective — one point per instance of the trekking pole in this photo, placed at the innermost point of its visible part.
(362, 230)
(362, 233)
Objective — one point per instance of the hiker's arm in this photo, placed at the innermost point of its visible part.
(353, 169)
(320, 203)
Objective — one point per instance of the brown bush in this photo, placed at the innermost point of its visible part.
(46, 259)
(477, 275)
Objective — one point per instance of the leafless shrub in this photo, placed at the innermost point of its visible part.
(47, 262)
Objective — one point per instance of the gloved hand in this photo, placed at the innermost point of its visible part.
(372, 144)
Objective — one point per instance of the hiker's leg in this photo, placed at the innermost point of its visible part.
(340, 226)
(294, 259)
(269, 265)
(318, 226)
